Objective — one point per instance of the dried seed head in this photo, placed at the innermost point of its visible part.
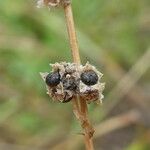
(68, 79)
(52, 3)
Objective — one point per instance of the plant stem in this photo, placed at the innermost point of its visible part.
(72, 33)
(79, 105)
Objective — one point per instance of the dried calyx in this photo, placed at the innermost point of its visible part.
(52, 3)
(66, 80)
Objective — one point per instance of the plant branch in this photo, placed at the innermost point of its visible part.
(106, 127)
(72, 33)
(79, 105)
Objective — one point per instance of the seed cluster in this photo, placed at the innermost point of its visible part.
(66, 80)
(52, 3)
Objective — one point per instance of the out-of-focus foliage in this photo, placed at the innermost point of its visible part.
(112, 35)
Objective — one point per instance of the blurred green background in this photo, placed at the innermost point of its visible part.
(113, 35)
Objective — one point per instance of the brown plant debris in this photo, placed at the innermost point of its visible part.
(66, 80)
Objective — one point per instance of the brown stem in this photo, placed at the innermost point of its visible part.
(80, 106)
(72, 33)
(88, 143)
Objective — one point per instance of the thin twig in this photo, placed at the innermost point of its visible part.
(112, 124)
(80, 109)
(117, 122)
(127, 82)
(72, 33)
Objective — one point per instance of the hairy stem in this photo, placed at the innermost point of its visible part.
(79, 105)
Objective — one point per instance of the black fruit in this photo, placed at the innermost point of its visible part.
(53, 79)
(89, 77)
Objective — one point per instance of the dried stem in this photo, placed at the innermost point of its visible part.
(72, 33)
(79, 105)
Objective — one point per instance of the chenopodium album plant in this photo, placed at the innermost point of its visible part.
(68, 79)
(74, 82)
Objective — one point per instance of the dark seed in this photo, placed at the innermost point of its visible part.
(53, 79)
(89, 77)
(69, 83)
